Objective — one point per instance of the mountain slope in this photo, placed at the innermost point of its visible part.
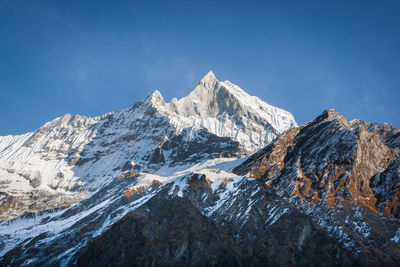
(330, 161)
(343, 175)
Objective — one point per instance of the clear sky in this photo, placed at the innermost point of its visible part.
(92, 57)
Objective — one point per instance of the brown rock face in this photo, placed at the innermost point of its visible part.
(345, 176)
(272, 161)
(260, 163)
(128, 174)
(332, 161)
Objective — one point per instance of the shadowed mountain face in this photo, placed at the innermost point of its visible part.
(172, 231)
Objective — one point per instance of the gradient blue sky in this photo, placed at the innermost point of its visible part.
(92, 57)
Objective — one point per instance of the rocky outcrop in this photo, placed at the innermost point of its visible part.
(330, 161)
(165, 231)
(386, 188)
(344, 176)
(37, 180)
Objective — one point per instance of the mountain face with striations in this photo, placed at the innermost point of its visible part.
(215, 178)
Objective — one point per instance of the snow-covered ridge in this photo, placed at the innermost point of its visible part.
(72, 154)
(225, 109)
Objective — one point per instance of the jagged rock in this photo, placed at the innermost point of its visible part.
(10, 170)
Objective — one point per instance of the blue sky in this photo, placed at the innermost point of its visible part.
(92, 57)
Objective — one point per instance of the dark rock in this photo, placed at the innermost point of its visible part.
(165, 231)
(158, 156)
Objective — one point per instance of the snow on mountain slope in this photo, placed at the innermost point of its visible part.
(102, 209)
(71, 155)
(226, 110)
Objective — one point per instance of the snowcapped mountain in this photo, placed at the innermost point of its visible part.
(325, 193)
(215, 178)
(71, 156)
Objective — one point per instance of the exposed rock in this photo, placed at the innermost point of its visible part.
(128, 174)
(197, 220)
(127, 166)
(10, 170)
(7, 203)
(163, 232)
(37, 180)
(328, 160)
(386, 188)
(158, 156)
(57, 181)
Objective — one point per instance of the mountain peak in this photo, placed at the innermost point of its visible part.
(209, 80)
(209, 76)
(155, 98)
(333, 115)
(212, 99)
(225, 109)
